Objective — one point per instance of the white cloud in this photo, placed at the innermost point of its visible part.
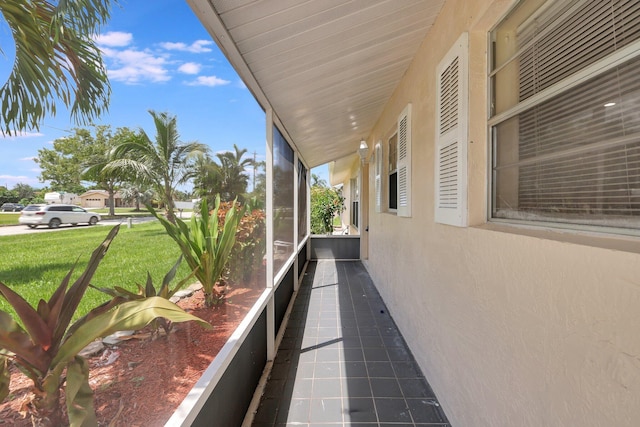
(134, 66)
(16, 135)
(11, 180)
(198, 46)
(27, 159)
(190, 68)
(208, 81)
(114, 39)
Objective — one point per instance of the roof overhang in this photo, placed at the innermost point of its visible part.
(326, 68)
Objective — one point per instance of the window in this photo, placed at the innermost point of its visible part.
(393, 172)
(355, 202)
(398, 170)
(565, 127)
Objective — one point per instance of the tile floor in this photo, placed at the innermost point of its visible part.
(343, 362)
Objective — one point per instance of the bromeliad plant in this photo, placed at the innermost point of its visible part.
(149, 290)
(206, 244)
(48, 344)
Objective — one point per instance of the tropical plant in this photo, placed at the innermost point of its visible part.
(136, 194)
(205, 244)
(47, 344)
(163, 164)
(56, 59)
(326, 203)
(247, 254)
(149, 290)
(227, 177)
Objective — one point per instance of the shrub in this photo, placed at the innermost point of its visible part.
(47, 345)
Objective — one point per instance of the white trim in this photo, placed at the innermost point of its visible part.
(190, 407)
(403, 163)
(451, 144)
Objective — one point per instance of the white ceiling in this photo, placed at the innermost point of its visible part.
(326, 67)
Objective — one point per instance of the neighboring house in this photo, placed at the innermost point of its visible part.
(501, 194)
(61, 197)
(100, 199)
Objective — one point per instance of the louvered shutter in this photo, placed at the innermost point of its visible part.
(378, 176)
(404, 162)
(451, 136)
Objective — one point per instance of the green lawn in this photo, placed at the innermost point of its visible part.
(34, 264)
(9, 218)
(123, 211)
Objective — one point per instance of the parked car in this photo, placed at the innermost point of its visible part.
(11, 207)
(55, 215)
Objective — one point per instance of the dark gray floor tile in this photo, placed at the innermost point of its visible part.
(325, 411)
(351, 342)
(380, 370)
(296, 411)
(327, 355)
(385, 387)
(300, 388)
(393, 341)
(392, 411)
(305, 370)
(326, 388)
(327, 370)
(353, 354)
(425, 411)
(349, 331)
(371, 341)
(354, 369)
(407, 370)
(416, 388)
(398, 354)
(358, 410)
(356, 387)
(375, 354)
(369, 332)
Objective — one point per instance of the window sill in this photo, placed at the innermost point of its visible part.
(598, 239)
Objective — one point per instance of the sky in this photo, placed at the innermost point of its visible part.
(158, 57)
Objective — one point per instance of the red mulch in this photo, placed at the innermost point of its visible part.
(150, 377)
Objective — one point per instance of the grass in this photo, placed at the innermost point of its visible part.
(9, 218)
(34, 264)
(123, 211)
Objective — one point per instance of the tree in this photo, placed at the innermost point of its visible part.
(24, 191)
(316, 181)
(56, 59)
(228, 177)
(81, 156)
(63, 164)
(132, 193)
(163, 164)
(100, 155)
(326, 203)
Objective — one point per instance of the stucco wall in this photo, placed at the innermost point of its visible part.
(512, 327)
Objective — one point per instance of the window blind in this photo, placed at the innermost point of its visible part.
(575, 157)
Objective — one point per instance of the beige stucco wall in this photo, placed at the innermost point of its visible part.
(512, 327)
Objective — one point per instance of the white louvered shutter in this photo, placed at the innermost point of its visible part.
(404, 162)
(378, 176)
(451, 135)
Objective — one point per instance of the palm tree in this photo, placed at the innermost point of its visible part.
(163, 164)
(232, 168)
(56, 60)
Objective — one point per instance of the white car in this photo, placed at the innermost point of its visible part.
(54, 215)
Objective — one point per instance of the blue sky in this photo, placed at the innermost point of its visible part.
(158, 57)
